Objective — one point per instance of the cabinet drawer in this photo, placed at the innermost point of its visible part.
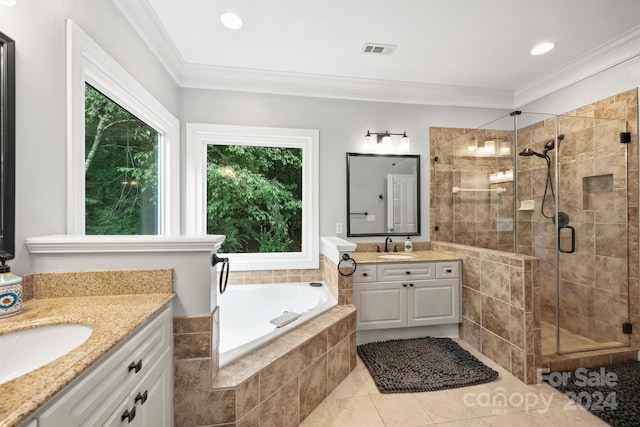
(448, 270)
(98, 393)
(414, 271)
(365, 273)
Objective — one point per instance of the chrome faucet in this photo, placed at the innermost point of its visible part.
(386, 243)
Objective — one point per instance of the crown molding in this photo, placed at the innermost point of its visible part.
(144, 20)
(616, 51)
(337, 87)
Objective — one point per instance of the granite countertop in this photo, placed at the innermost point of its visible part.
(112, 318)
(418, 256)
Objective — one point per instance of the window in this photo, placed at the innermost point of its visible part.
(259, 187)
(123, 149)
(121, 169)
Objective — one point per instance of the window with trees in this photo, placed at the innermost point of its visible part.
(121, 169)
(258, 187)
(123, 149)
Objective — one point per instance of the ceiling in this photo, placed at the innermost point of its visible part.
(457, 52)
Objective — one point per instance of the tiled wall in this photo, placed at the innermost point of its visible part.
(277, 385)
(598, 177)
(499, 314)
(262, 389)
(470, 218)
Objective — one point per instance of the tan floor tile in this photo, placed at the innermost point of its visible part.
(356, 411)
(320, 417)
(475, 422)
(353, 385)
(446, 405)
(557, 416)
(400, 410)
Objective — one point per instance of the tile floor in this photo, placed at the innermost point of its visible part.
(356, 402)
(570, 341)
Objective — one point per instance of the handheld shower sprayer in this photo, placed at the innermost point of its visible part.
(548, 146)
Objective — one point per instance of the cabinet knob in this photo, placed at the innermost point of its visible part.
(408, 272)
(364, 274)
(135, 366)
(128, 415)
(142, 398)
(404, 285)
(410, 284)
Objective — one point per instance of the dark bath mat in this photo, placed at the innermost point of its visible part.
(611, 393)
(422, 364)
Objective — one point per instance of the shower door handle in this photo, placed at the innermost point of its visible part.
(573, 239)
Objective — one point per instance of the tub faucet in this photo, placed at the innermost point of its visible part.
(386, 244)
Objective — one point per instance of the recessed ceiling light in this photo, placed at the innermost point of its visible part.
(231, 21)
(542, 48)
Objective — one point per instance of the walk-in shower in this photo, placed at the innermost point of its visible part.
(573, 213)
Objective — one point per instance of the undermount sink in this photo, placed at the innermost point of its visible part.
(396, 256)
(24, 351)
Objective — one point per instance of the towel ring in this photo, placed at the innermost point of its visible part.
(346, 257)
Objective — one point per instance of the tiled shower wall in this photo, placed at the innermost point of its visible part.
(470, 218)
(595, 282)
(598, 175)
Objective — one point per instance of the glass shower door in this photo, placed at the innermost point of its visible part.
(591, 230)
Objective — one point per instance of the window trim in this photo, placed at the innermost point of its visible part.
(87, 62)
(199, 135)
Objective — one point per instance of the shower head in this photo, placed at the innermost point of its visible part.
(528, 152)
(550, 145)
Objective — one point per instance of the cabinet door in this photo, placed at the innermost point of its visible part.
(380, 305)
(154, 395)
(433, 302)
(149, 403)
(125, 415)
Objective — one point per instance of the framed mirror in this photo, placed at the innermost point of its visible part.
(7, 146)
(383, 195)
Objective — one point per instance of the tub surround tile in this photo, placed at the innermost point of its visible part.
(313, 386)
(313, 349)
(278, 384)
(282, 409)
(193, 345)
(278, 373)
(247, 396)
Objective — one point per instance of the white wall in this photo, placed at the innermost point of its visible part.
(342, 125)
(38, 28)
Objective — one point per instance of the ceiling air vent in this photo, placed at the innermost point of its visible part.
(378, 49)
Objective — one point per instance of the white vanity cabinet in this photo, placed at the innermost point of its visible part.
(131, 386)
(397, 295)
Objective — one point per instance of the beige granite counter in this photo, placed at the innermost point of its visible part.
(112, 318)
(418, 256)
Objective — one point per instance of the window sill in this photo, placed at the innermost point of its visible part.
(66, 244)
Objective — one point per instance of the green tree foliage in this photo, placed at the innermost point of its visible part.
(254, 197)
(121, 169)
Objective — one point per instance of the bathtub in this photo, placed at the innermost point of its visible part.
(246, 312)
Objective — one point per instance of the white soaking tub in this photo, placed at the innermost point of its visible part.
(247, 310)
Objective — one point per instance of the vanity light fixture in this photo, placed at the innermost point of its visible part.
(385, 138)
(231, 21)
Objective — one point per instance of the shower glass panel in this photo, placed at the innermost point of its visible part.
(574, 173)
(480, 177)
